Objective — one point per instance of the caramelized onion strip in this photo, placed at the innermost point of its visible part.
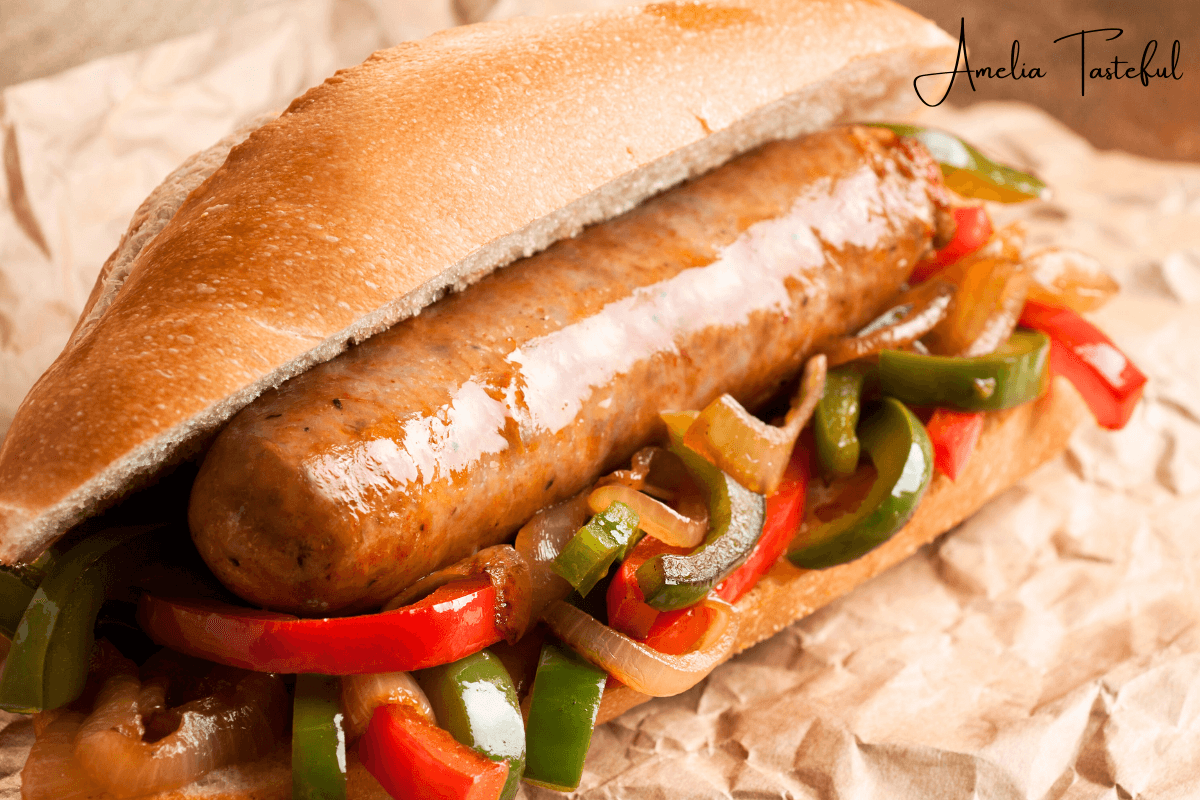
(660, 474)
(638, 666)
(992, 284)
(655, 471)
(914, 314)
(1063, 277)
(362, 694)
(634, 477)
(991, 293)
(752, 452)
(541, 540)
(51, 772)
(656, 518)
(129, 753)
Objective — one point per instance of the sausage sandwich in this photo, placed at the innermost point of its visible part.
(436, 299)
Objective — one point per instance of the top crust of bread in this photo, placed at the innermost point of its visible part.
(416, 173)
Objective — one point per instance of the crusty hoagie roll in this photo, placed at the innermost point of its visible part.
(422, 171)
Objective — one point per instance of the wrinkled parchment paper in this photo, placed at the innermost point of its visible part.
(1049, 648)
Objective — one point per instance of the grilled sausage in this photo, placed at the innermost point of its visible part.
(445, 433)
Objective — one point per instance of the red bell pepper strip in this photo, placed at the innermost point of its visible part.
(456, 620)
(413, 759)
(1108, 381)
(628, 611)
(973, 228)
(676, 632)
(785, 510)
(953, 435)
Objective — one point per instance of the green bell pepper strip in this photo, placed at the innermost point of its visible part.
(968, 171)
(903, 457)
(318, 740)
(592, 550)
(1015, 373)
(735, 514)
(52, 646)
(562, 714)
(15, 594)
(17, 585)
(474, 699)
(835, 421)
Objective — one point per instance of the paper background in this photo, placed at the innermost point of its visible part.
(1047, 649)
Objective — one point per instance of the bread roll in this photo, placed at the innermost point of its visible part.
(417, 173)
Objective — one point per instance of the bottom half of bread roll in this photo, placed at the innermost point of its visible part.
(1013, 444)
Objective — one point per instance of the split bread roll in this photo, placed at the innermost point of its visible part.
(417, 172)
(420, 172)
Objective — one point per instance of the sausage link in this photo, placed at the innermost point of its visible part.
(447, 432)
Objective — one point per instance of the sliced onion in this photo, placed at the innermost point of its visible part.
(362, 694)
(992, 284)
(1007, 243)
(635, 476)
(239, 717)
(509, 573)
(913, 315)
(991, 293)
(51, 772)
(655, 471)
(643, 668)
(541, 540)
(1001, 323)
(152, 699)
(657, 519)
(658, 472)
(1069, 278)
(754, 453)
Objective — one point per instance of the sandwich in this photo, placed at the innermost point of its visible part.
(526, 279)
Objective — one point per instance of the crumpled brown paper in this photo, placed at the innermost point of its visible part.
(1049, 648)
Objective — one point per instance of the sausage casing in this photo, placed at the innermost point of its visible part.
(444, 434)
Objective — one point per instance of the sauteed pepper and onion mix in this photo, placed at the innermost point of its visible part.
(492, 671)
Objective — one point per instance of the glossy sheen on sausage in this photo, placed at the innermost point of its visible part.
(447, 432)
